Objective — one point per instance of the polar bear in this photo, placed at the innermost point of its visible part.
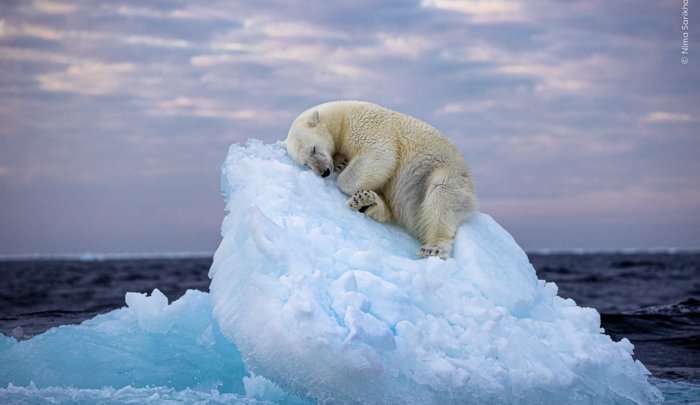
(394, 167)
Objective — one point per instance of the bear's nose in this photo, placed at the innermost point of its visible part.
(326, 173)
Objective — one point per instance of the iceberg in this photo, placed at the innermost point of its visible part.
(329, 304)
(313, 302)
(149, 350)
(139, 346)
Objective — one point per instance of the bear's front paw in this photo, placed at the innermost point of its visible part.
(339, 162)
(362, 200)
(439, 249)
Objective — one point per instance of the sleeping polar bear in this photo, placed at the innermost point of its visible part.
(395, 168)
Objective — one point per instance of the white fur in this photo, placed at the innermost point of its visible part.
(395, 168)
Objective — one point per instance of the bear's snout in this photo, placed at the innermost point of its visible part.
(321, 165)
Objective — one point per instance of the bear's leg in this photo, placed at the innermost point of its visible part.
(368, 171)
(449, 201)
(371, 204)
(440, 228)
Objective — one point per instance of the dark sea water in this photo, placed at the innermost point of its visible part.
(653, 299)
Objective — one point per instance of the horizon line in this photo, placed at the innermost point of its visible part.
(92, 256)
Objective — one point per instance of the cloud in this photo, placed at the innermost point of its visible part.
(91, 78)
(209, 108)
(295, 30)
(42, 57)
(213, 60)
(131, 11)
(38, 31)
(411, 46)
(53, 7)
(482, 11)
(51, 34)
(479, 106)
(660, 117)
(156, 42)
(581, 76)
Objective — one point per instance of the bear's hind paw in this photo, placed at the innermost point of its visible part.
(434, 249)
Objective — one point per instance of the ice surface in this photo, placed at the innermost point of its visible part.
(328, 303)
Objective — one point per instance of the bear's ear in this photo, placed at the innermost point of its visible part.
(313, 120)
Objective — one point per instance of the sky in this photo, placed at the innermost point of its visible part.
(577, 118)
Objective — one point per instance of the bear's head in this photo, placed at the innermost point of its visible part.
(310, 143)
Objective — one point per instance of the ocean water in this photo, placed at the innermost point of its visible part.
(653, 299)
